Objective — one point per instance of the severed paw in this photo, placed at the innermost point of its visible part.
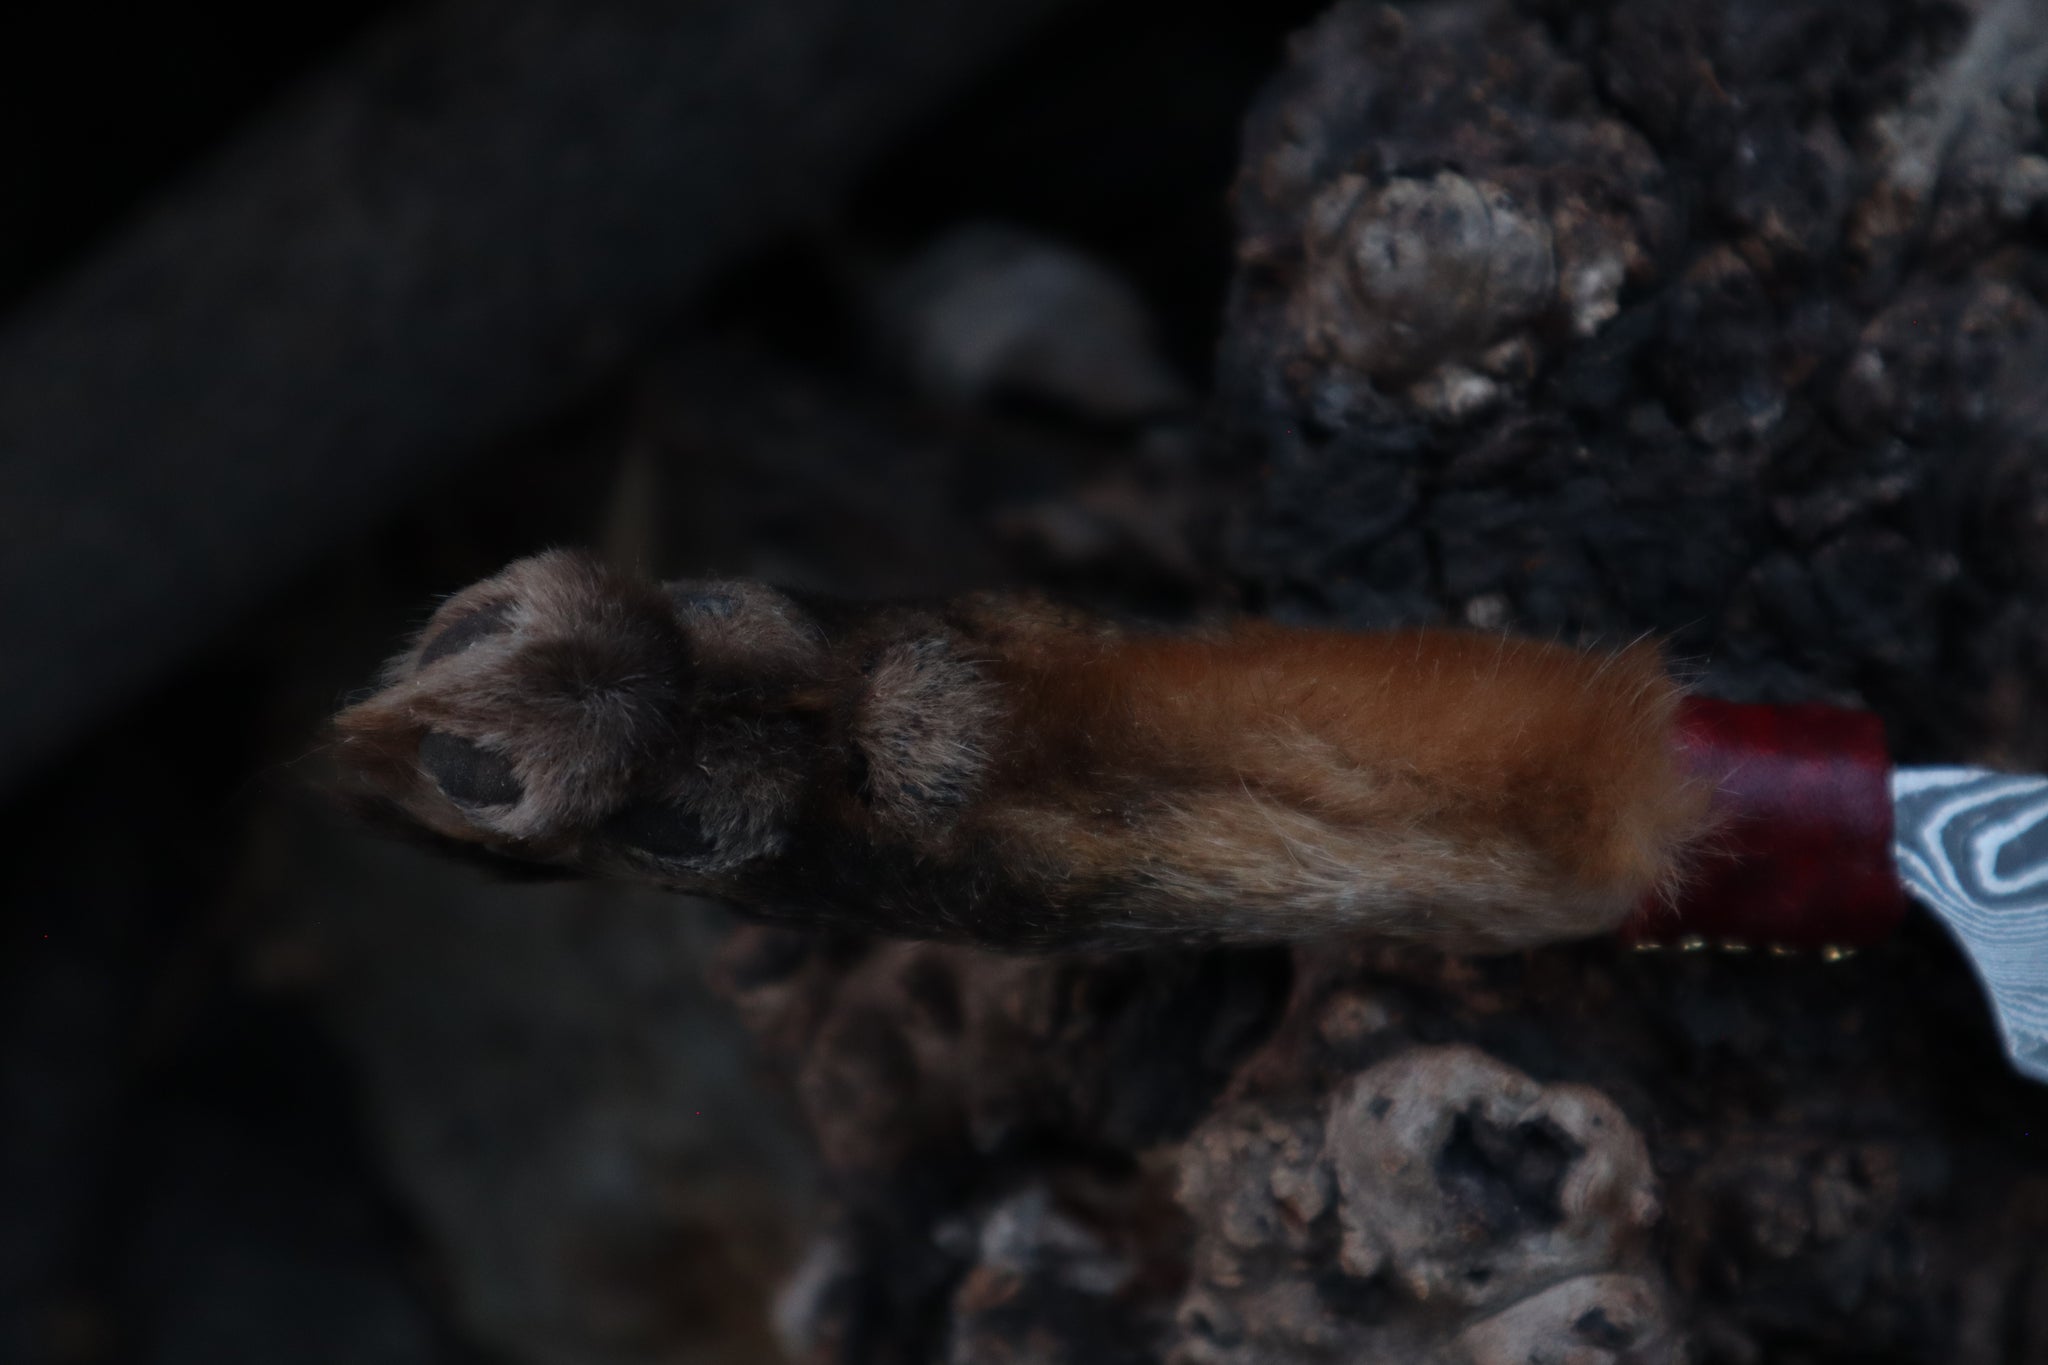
(559, 711)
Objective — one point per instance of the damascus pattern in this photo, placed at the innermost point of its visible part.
(1973, 845)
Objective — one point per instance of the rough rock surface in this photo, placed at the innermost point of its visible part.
(1719, 320)
(1751, 1158)
(1442, 1205)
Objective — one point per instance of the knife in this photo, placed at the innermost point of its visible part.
(997, 771)
(1821, 844)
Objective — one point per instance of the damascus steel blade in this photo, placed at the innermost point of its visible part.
(1973, 846)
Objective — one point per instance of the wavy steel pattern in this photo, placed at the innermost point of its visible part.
(1973, 845)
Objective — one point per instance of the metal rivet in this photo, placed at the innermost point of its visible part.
(1783, 950)
(1691, 943)
(1836, 953)
(1649, 945)
(1734, 945)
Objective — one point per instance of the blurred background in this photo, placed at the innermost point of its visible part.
(317, 313)
(1724, 321)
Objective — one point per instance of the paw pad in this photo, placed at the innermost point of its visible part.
(662, 828)
(470, 774)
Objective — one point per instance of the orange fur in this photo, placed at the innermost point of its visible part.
(1422, 783)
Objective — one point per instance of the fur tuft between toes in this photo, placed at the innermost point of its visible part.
(923, 729)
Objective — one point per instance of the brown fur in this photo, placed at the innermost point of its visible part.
(1003, 772)
(1417, 784)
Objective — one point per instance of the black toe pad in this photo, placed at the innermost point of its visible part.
(469, 773)
(656, 827)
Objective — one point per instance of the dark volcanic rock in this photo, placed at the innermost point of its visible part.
(1722, 321)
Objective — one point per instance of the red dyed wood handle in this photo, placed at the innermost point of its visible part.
(1801, 856)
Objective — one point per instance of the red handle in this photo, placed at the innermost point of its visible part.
(1801, 855)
